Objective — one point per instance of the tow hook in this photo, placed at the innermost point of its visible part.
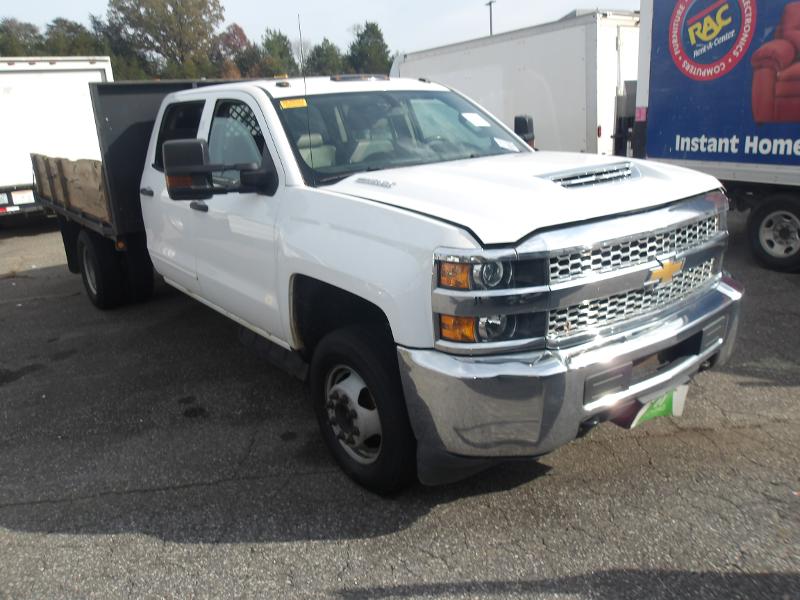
(587, 426)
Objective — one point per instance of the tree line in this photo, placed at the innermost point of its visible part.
(173, 39)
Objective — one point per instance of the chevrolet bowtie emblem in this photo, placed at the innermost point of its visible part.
(667, 270)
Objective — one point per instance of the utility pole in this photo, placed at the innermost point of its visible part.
(491, 24)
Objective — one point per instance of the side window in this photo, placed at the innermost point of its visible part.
(235, 138)
(181, 121)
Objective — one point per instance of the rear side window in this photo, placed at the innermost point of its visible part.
(181, 122)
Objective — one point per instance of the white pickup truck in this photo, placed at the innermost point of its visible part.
(455, 298)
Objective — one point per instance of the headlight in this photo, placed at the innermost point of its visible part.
(496, 328)
(487, 279)
(482, 276)
(492, 274)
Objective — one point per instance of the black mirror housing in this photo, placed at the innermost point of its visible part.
(523, 127)
(187, 170)
(262, 181)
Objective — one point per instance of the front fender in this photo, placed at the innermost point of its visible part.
(377, 252)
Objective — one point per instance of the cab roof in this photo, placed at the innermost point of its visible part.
(295, 86)
(286, 88)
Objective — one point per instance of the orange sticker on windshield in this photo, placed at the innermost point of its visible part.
(294, 103)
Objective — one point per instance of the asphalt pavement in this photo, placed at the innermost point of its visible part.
(144, 452)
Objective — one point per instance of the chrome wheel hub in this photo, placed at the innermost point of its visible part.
(779, 234)
(353, 414)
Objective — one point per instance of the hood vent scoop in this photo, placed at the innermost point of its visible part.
(584, 177)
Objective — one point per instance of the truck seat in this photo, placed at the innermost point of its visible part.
(312, 146)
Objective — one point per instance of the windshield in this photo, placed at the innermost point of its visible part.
(336, 135)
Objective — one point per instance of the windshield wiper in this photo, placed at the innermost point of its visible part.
(333, 178)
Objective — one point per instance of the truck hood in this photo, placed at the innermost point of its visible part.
(502, 199)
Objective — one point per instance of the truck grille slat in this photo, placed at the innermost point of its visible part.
(567, 267)
(591, 314)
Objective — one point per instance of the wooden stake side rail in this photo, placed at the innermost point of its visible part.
(75, 188)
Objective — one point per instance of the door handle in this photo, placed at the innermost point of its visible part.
(201, 206)
(145, 191)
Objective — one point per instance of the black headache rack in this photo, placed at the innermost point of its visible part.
(124, 114)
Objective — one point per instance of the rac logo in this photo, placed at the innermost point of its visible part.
(666, 272)
(709, 38)
(707, 25)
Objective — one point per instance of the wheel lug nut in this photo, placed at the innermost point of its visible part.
(353, 414)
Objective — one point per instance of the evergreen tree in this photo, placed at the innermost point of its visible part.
(324, 59)
(278, 58)
(368, 52)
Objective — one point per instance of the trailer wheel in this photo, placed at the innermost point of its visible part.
(100, 270)
(774, 231)
(357, 395)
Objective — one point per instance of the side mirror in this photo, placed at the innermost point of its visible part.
(523, 127)
(187, 170)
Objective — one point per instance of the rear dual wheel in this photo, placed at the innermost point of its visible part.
(100, 270)
(111, 278)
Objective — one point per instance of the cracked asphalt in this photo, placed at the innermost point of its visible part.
(145, 453)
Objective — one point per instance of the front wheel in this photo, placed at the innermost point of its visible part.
(358, 400)
(774, 231)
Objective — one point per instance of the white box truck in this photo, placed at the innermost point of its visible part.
(719, 91)
(45, 108)
(566, 74)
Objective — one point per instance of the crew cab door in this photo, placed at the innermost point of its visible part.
(169, 224)
(235, 240)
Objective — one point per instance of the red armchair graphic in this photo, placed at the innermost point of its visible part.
(776, 72)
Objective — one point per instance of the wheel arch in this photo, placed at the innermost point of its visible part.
(318, 308)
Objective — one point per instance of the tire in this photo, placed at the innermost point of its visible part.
(354, 386)
(100, 270)
(773, 229)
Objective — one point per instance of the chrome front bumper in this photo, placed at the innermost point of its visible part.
(469, 412)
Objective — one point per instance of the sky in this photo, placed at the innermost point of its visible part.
(407, 25)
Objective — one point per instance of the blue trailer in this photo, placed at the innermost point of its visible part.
(719, 91)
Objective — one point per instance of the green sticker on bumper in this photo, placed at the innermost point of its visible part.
(669, 405)
(660, 408)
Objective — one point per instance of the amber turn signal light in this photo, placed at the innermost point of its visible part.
(457, 329)
(179, 181)
(454, 275)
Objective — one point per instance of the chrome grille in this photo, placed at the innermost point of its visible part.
(594, 176)
(619, 307)
(566, 267)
